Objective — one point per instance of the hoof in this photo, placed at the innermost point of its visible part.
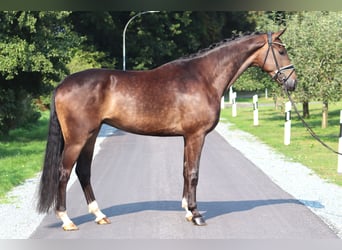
(103, 221)
(70, 227)
(199, 221)
(188, 216)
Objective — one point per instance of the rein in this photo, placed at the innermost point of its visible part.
(283, 79)
(308, 128)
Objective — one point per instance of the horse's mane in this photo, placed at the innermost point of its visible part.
(217, 44)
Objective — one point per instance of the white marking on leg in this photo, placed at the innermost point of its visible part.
(94, 209)
(64, 217)
(188, 214)
(67, 223)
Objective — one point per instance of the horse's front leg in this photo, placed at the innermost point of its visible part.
(192, 152)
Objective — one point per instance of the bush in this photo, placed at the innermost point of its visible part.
(16, 110)
(43, 102)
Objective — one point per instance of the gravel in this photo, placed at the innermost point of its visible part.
(19, 218)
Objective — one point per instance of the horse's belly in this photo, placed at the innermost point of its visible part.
(146, 125)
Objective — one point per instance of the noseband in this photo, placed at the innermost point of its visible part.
(279, 75)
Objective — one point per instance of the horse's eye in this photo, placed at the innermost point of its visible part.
(282, 52)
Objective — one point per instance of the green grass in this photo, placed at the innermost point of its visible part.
(21, 154)
(303, 147)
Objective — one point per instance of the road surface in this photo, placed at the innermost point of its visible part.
(138, 184)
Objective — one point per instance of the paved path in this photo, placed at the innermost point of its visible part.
(138, 184)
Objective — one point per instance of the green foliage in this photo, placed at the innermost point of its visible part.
(34, 41)
(151, 45)
(316, 45)
(34, 50)
(7, 105)
(85, 60)
(177, 34)
(16, 109)
(154, 39)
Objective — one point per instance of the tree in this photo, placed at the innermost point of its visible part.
(154, 39)
(316, 47)
(34, 51)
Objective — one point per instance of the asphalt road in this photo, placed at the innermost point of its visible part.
(138, 184)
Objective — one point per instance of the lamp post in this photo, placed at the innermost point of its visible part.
(124, 36)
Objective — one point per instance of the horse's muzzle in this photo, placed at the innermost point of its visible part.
(290, 84)
(288, 81)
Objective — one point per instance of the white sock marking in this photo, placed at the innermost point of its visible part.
(188, 214)
(94, 209)
(64, 217)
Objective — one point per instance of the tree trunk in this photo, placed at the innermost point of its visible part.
(275, 99)
(278, 102)
(325, 114)
(306, 112)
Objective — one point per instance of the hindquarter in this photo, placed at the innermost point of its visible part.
(80, 105)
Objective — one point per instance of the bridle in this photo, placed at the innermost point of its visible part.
(279, 75)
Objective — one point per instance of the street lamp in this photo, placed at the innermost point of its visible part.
(124, 36)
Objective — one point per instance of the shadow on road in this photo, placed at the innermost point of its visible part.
(209, 209)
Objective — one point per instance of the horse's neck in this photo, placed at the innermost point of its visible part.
(229, 62)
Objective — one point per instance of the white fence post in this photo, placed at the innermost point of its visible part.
(230, 94)
(339, 166)
(255, 111)
(222, 102)
(234, 111)
(287, 125)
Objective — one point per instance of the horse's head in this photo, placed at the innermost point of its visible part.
(273, 59)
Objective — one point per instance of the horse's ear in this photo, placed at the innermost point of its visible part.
(279, 33)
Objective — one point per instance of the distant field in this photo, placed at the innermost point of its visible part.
(303, 147)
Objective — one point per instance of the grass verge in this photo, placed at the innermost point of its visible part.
(21, 154)
(303, 147)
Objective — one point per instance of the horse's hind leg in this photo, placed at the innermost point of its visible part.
(70, 153)
(83, 171)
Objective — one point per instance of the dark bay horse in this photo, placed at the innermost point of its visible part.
(179, 98)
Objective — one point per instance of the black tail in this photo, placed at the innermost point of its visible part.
(48, 187)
